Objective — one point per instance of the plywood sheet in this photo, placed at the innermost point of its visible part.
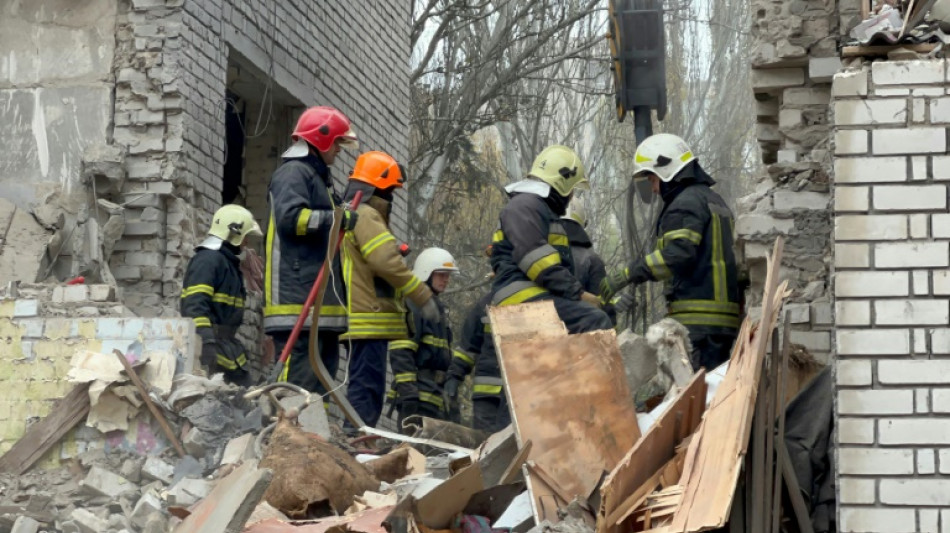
(568, 395)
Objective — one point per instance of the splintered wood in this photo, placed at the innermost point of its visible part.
(568, 396)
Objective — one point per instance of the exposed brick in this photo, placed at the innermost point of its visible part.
(818, 96)
(870, 112)
(850, 83)
(915, 491)
(855, 431)
(852, 199)
(919, 226)
(866, 520)
(784, 200)
(856, 490)
(865, 284)
(912, 254)
(909, 141)
(913, 431)
(870, 169)
(875, 461)
(911, 312)
(852, 255)
(872, 342)
(875, 402)
(926, 462)
(753, 224)
(870, 227)
(854, 372)
(850, 142)
(910, 198)
(914, 72)
(940, 400)
(853, 313)
(777, 78)
(914, 372)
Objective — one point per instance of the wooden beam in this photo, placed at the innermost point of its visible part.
(43, 435)
(883, 50)
(143, 391)
(511, 472)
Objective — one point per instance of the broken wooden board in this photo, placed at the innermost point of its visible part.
(647, 459)
(437, 508)
(718, 448)
(883, 50)
(563, 391)
(230, 503)
(43, 435)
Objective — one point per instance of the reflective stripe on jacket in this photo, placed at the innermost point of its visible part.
(301, 214)
(377, 278)
(531, 254)
(213, 296)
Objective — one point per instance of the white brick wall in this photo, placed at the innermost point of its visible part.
(892, 296)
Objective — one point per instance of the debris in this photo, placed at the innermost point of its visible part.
(518, 514)
(87, 522)
(43, 435)
(403, 438)
(437, 508)
(238, 449)
(312, 478)
(25, 524)
(143, 391)
(397, 464)
(369, 521)
(149, 503)
(101, 482)
(496, 454)
(155, 468)
(450, 432)
(514, 468)
(230, 504)
(563, 392)
(371, 500)
(189, 491)
(187, 467)
(639, 359)
(265, 511)
(888, 20)
(24, 244)
(670, 340)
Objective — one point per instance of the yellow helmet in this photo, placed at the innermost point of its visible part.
(233, 223)
(559, 167)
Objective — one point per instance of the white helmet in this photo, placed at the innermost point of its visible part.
(433, 260)
(662, 154)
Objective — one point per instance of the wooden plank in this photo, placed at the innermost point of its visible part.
(559, 491)
(143, 392)
(648, 458)
(563, 391)
(43, 435)
(794, 491)
(782, 376)
(515, 466)
(865, 10)
(718, 450)
(883, 50)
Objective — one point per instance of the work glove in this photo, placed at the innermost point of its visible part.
(430, 312)
(450, 398)
(209, 355)
(626, 302)
(612, 284)
(349, 220)
(591, 298)
(407, 407)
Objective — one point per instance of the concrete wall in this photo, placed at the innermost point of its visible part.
(892, 296)
(55, 92)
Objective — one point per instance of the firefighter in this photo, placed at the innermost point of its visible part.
(213, 292)
(377, 281)
(588, 266)
(420, 363)
(531, 255)
(694, 250)
(302, 199)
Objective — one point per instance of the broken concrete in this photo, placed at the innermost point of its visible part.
(147, 505)
(104, 483)
(639, 359)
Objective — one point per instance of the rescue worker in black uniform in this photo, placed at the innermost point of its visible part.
(213, 292)
(531, 254)
(420, 363)
(694, 250)
(302, 200)
(588, 266)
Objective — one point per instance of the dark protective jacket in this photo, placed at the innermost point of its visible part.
(475, 333)
(589, 268)
(531, 255)
(420, 363)
(694, 254)
(212, 296)
(301, 214)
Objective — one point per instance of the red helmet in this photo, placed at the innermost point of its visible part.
(320, 127)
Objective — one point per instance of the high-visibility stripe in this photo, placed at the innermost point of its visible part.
(498, 236)
(302, 220)
(272, 267)
(434, 399)
(516, 293)
(403, 345)
(201, 322)
(432, 340)
(684, 233)
(405, 377)
(234, 301)
(486, 328)
(538, 260)
(718, 261)
(397, 318)
(410, 286)
(197, 289)
(376, 242)
(226, 363)
(704, 306)
(555, 239)
(463, 356)
(486, 389)
(657, 266)
(706, 319)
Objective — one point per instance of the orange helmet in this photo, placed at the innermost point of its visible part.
(320, 127)
(378, 169)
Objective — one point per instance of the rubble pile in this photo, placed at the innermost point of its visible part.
(69, 301)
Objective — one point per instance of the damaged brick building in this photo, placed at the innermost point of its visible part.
(127, 123)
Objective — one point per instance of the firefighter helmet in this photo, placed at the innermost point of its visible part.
(559, 167)
(662, 154)
(232, 223)
(320, 127)
(378, 169)
(433, 260)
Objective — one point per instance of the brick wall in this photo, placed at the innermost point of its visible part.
(892, 298)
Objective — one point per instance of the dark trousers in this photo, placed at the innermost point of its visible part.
(490, 413)
(710, 349)
(367, 385)
(580, 317)
(299, 370)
